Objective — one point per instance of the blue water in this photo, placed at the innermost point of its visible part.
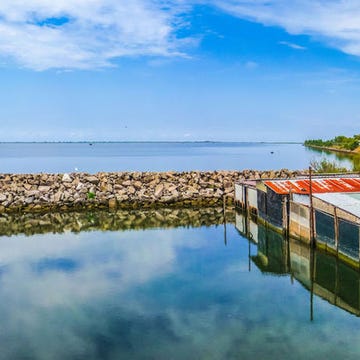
(70, 157)
(175, 293)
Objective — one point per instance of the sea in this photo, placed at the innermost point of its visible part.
(157, 156)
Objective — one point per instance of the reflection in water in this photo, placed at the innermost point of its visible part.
(351, 161)
(322, 274)
(174, 293)
(59, 222)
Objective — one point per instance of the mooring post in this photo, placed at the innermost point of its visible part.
(312, 217)
(249, 255)
(336, 231)
(359, 249)
(336, 280)
(312, 284)
(358, 261)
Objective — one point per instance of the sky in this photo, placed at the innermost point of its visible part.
(179, 70)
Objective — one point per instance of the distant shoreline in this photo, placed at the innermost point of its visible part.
(326, 148)
(152, 142)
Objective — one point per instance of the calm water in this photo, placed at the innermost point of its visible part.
(169, 285)
(70, 157)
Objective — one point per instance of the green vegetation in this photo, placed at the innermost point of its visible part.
(326, 166)
(339, 142)
(90, 195)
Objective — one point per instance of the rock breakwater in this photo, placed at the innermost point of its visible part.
(125, 190)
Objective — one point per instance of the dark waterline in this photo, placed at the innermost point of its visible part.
(152, 287)
(154, 156)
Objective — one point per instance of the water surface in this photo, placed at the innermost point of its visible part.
(151, 285)
(94, 157)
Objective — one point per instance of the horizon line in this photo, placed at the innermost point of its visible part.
(147, 141)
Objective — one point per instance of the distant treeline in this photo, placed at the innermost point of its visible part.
(340, 142)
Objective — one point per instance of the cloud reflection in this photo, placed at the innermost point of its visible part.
(157, 294)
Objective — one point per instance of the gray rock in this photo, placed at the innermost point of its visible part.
(66, 178)
(79, 186)
(92, 179)
(138, 185)
(158, 190)
(32, 193)
(112, 203)
(44, 188)
(29, 200)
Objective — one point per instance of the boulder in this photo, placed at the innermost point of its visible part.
(112, 203)
(92, 180)
(66, 178)
(158, 190)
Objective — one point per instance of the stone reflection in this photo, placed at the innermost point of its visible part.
(59, 222)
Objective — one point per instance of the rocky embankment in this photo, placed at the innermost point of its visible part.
(125, 190)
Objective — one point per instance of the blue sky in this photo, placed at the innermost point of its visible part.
(231, 70)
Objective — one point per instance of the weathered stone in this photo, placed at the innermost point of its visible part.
(29, 200)
(112, 203)
(2, 197)
(92, 179)
(79, 186)
(122, 197)
(32, 193)
(57, 197)
(137, 185)
(158, 190)
(44, 188)
(66, 178)
(109, 188)
(44, 177)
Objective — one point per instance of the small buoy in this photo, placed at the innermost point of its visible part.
(90, 144)
(271, 152)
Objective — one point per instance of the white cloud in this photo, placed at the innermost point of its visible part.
(335, 22)
(91, 33)
(292, 45)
